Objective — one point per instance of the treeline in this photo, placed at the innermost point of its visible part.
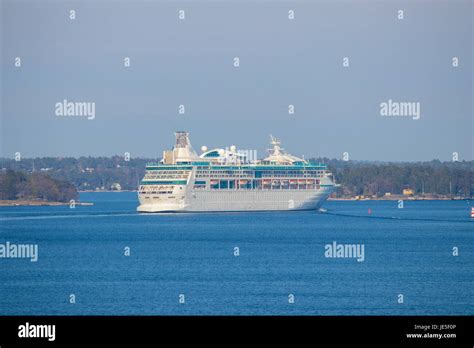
(86, 173)
(355, 177)
(378, 178)
(34, 186)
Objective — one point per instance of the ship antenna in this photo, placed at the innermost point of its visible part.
(276, 145)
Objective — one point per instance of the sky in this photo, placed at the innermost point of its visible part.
(283, 62)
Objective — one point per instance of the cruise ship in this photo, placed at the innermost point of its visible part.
(228, 180)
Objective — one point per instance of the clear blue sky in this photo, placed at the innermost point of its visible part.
(283, 62)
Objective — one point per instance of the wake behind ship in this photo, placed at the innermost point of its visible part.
(222, 180)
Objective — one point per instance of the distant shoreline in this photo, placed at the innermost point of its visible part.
(384, 198)
(34, 203)
(403, 198)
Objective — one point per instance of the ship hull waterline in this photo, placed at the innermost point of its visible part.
(235, 201)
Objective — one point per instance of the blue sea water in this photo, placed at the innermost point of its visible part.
(407, 251)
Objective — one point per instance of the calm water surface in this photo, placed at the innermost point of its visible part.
(408, 251)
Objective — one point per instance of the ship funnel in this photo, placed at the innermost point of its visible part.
(183, 151)
(182, 139)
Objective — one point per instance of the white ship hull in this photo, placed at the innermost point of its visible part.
(211, 201)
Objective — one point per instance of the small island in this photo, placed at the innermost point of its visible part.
(36, 189)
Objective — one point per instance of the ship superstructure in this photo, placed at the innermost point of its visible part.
(228, 180)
